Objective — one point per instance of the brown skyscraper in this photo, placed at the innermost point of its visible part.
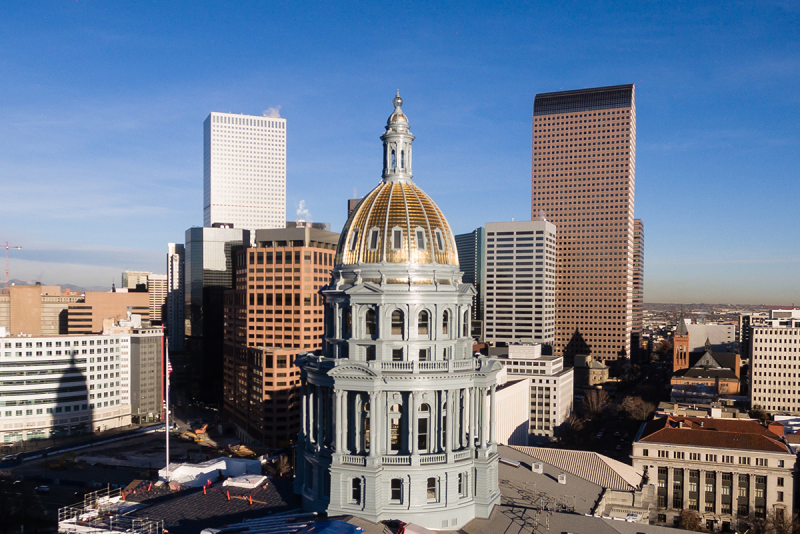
(584, 153)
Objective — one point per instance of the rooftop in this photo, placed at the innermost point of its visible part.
(714, 433)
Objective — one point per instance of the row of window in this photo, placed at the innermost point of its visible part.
(396, 489)
(699, 457)
(373, 239)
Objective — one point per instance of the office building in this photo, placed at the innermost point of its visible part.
(774, 382)
(274, 311)
(175, 296)
(638, 290)
(87, 315)
(397, 413)
(244, 171)
(208, 266)
(584, 160)
(93, 381)
(723, 469)
(472, 262)
(157, 289)
(36, 310)
(134, 279)
(551, 385)
(520, 282)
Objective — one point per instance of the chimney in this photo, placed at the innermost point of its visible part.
(562, 478)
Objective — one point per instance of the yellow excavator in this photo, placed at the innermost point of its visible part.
(62, 462)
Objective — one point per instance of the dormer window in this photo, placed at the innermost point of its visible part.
(374, 235)
(439, 240)
(354, 240)
(420, 235)
(397, 238)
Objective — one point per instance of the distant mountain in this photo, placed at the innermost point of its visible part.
(71, 287)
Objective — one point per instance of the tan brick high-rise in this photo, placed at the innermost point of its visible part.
(584, 154)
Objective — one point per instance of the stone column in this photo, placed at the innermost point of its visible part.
(482, 411)
(304, 417)
(492, 409)
(472, 418)
(373, 416)
(339, 429)
(312, 436)
(318, 418)
(462, 417)
(448, 442)
(411, 421)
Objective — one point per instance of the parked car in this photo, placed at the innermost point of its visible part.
(42, 489)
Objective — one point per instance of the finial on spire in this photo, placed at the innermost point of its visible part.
(397, 101)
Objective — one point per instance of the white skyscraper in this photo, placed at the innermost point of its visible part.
(244, 171)
(520, 282)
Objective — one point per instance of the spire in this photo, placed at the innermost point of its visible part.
(681, 330)
(708, 345)
(397, 144)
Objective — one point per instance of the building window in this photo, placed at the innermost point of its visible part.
(645, 452)
(431, 491)
(371, 353)
(780, 482)
(353, 241)
(439, 240)
(423, 355)
(397, 323)
(374, 235)
(445, 322)
(397, 490)
(423, 323)
(371, 323)
(419, 233)
(761, 462)
(397, 355)
(397, 238)
(462, 485)
(422, 427)
(355, 495)
(780, 496)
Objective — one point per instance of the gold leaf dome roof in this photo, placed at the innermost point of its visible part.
(397, 222)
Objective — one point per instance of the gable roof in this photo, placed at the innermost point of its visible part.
(713, 433)
(595, 468)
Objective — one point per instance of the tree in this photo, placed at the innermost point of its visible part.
(637, 408)
(757, 412)
(664, 350)
(595, 401)
(689, 520)
(570, 433)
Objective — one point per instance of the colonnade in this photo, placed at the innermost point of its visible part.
(357, 422)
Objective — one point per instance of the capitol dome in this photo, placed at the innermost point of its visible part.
(397, 222)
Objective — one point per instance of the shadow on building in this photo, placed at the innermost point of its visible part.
(577, 345)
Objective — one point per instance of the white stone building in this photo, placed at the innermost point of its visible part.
(722, 469)
(244, 171)
(551, 385)
(175, 296)
(774, 353)
(63, 385)
(396, 409)
(520, 299)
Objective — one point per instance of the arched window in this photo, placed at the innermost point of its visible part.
(422, 323)
(395, 435)
(466, 324)
(445, 322)
(423, 427)
(347, 323)
(402, 159)
(397, 323)
(431, 490)
(371, 323)
(394, 163)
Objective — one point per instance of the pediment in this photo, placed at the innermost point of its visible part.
(352, 370)
(365, 288)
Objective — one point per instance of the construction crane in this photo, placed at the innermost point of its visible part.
(8, 247)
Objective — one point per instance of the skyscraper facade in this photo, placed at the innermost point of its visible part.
(584, 154)
(244, 171)
(638, 289)
(472, 262)
(175, 304)
(520, 282)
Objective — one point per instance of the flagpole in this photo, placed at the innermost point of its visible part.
(166, 432)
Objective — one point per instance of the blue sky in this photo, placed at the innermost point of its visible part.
(103, 104)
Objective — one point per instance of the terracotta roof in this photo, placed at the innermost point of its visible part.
(595, 468)
(714, 433)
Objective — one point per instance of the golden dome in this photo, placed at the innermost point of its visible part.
(397, 223)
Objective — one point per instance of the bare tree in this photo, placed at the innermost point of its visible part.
(637, 408)
(595, 401)
(570, 433)
(757, 412)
